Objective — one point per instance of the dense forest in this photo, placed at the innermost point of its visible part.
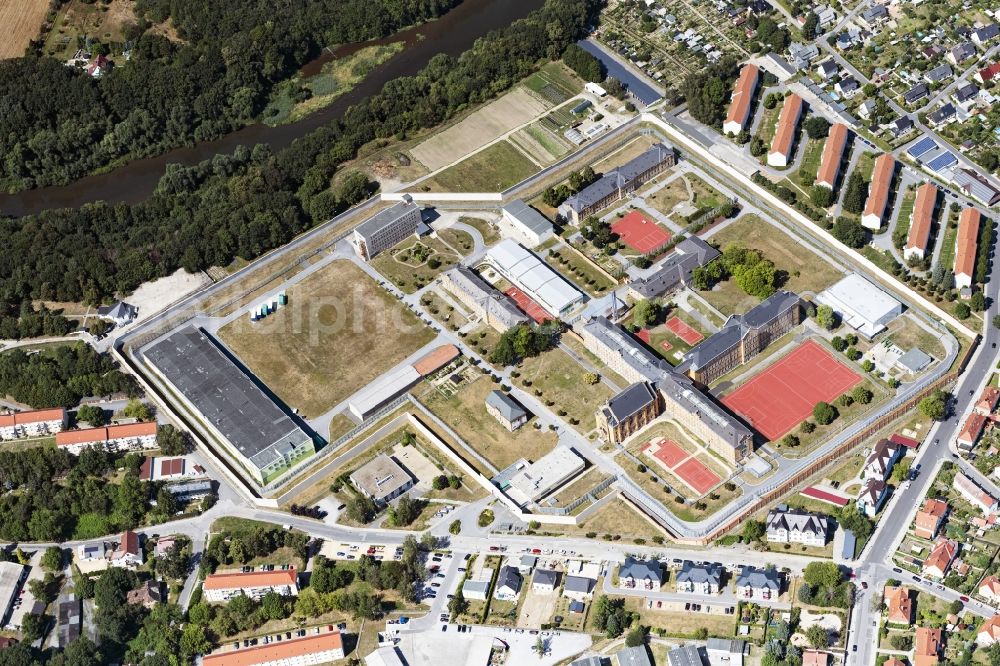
(60, 376)
(59, 123)
(246, 203)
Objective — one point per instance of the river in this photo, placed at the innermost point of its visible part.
(453, 33)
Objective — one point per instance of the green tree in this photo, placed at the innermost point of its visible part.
(935, 406)
(856, 194)
(961, 310)
(171, 441)
(362, 509)
(137, 409)
(635, 637)
(52, 559)
(130, 501)
(821, 196)
(33, 626)
(406, 510)
(790, 440)
(826, 317)
(458, 604)
(455, 527)
(645, 312)
(809, 26)
(849, 232)
(862, 394)
(753, 530)
(824, 413)
(818, 636)
(817, 127)
(91, 414)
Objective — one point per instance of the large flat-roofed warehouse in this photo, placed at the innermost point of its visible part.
(544, 475)
(618, 183)
(386, 228)
(863, 306)
(261, 436)
(475, 293)
(382, 479)
(534, 277)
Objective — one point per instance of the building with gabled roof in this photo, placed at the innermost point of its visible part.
(579, 588)
(508, 584)
(754, 582)
(987, 401)
(32, 423)
(872, 496)
(533, 227)
(127, 437)
(833, 155)
(927, 646)
(921, 221)
(676, 269)
(742, 100)
(815, 658)
(878, 191)
(321, 648)
(989, 632)
(640, 574)
(784, 136)
(699, 578)
(990, 589)
(972, 429)
(966, 247)
(493, 307)
(129, 553)
(220, 587)
(929, 518)
(629, 411)
(971, 492)
(793, 526)
(940, 558)
(881, 460)
(899, 605)
(506, 410)
(987, 74)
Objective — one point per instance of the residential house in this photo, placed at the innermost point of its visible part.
(899, 605)
(942, 115)
(986, 34)
(784, 137)
(941, 556)
(800, 55)
(989, 633)
(929, 518)
(880, 75)
(634, 656)
(508, 584)
(545, 581)
(753, 582)
(966, 250)
(128, 553)
(699, 578)
(872, 496)
(873, 16)
(881, 460)
(579, 588)
(921, 221)
(988, 398)
(32, 423)
(965, 93)
(971, 492)
(827, 69)
(148, 594)
(990, 589)
(91, 552)
(527, 564)
(847, 87)
(927, 646)
(987, 74)
(316, 648)
(938, 74)
(878, 192)
(640, 574)
(725, 651)
(916, 93)
(121, 313)
(901, 126)
(960, 53)
(815, 658)
(742, 100)
(506, 410)
(971, 430)
(686, 655)
(793, 526)
(867, 109)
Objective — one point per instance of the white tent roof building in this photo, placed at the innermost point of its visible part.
(861, 304)
(534, 277)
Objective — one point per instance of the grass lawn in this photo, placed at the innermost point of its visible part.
(457, 240)
(706, 197)
(560, 379)
(465, 412)
(680, 623)
(581, 486)
(577, 346)
(442, 310)
(811, 158)
(847, 470)
(553, 78)
(615, 520)
(803, 269)
(493, 169)
(906, 333)
(340, 425)
(949, 236)
(414, 263)
(488, 231)
(28, 443)
(578, 270)
(483, 340)
(905, 211)
(298, 351)
(768, 123)
(665, 198)
(865, 166)
(632, 149)
(660, 334)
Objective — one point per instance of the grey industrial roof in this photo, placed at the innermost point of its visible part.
(640, 569)
(630, 401)
(850, 541)
(492, 301)
(738, 326)
(381, 476)
(528, 216)
(545, 577)
(620, 177)
(190, 488)
(758, 578)
(635, 355)
(676, 269)
(634, 656)
(687, 655)
(225, 395)
(507, 406)
(387, 217)
(976, 186)
(700, 573)
(10, 579)
(579, 584)
(914, 360)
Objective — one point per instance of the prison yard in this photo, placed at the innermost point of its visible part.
(308, 353)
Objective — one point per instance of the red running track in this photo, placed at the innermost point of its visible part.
(640, 233)
(783, 395)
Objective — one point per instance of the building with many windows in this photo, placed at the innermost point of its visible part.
(130, 437)
(493, 307)
(742, 100)
(221, 587)
(312, 650)
(786, 132)
(791, 526)
(629, 412)
(386, 228)
(966, 247)
(32, 423)
(382, 479)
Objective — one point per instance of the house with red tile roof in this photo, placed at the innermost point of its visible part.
(989, 589)
(974, 494)
(899, 606)
(878, 191)
(987, 74)
(254, 584)
(966, 247)
(971, 431)
(129, 553)
(739, 107)
(815, 658)
(987, 401)
(320, 648)
(921, 221)
(788, 128)
(929, 518)
(833, 155)
(989, 633)
(939, 561)
(927, 646)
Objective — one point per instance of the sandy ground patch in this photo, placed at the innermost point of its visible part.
(151, 297)
(538, 607)
(21, 21)
(493, 120)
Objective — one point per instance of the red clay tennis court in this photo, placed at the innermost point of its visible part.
(643, 334)
(667, 452)
(783, 395)
(527, 306)
(679, 328)
(696, 475)
(640, 233)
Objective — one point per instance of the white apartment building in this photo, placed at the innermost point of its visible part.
(34, 423)
(254, 584)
